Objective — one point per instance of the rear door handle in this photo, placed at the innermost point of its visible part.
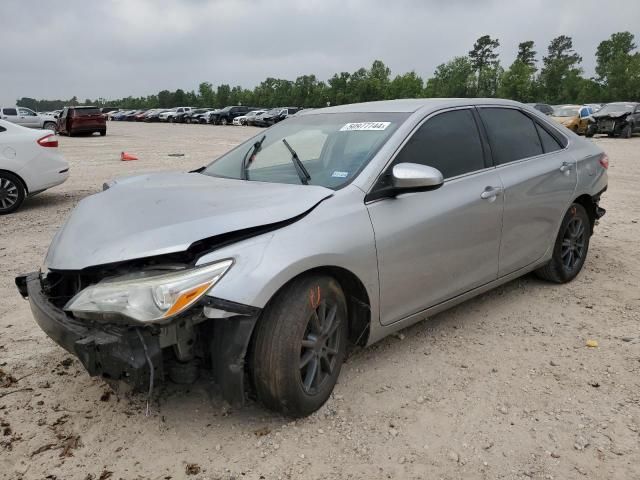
(491, 193)
(565, 167)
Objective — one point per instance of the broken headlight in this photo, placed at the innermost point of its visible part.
(147, 298)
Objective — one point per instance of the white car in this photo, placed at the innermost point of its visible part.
(30, 163)
(169, 115)
(242, 120)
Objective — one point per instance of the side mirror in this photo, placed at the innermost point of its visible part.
(414, 177)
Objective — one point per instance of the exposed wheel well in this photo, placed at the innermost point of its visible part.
(26, 189)
(587, 202)
(358, 304)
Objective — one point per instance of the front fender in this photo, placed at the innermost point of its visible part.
(338, 232)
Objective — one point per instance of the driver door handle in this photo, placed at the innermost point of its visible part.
(491, 193)
(566, 167)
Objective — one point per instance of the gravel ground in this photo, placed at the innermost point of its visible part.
(502, 386)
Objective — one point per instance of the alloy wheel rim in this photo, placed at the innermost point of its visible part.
(573, 243)
(8, 193)
(319, 350)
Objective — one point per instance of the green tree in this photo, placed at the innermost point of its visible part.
(338, 90)
(377, 85)
(484, 61)
(616, 66)
(519, 82)
(206, 95)
(223, 95)
(560, 69)
(526, 54)
(27, 102)
(165, 99)
(451, 79)
(409, 85)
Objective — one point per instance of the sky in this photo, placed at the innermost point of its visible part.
(116, 48)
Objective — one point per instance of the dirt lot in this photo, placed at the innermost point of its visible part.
(502, 386)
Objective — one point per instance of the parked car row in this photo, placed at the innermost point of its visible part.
(231, 115)
(617, 119)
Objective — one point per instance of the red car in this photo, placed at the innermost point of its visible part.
(74, 120)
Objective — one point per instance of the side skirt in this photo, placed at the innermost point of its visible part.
(381, 331)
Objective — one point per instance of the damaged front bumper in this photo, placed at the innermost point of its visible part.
(136, 354)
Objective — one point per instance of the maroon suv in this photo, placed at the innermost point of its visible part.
(75, 120)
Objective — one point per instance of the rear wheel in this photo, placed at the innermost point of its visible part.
(12, 193)
(103, 133)
(571, 247)
(299, 346)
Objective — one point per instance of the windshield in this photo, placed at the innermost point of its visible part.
(616, 107)
(333, 148)
(568, 111)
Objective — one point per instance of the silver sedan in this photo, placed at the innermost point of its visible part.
(335, 227)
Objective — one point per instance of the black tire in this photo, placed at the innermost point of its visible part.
(12, 193)
(49, 126)
(296, 357)
(224, 121)
(591, 131)
(571, 247)
(103, 133)
(171, 120)
(626, 132)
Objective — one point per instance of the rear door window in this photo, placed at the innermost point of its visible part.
(512, 135)
(449, 142)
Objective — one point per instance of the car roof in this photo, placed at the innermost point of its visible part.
(409, 105)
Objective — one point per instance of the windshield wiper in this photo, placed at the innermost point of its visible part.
(300, 170)
(244, 174)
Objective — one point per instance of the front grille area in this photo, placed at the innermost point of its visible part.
(60, 287)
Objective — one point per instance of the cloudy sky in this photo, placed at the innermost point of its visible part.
(115, 48)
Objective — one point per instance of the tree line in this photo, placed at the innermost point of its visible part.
(558, 79)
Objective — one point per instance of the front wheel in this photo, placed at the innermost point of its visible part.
(299, 346)
(571, 247)
(223, 121)
(627, 131)
(12, 193)
(49, 126)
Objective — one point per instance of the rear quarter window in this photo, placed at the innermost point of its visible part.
(9, 111)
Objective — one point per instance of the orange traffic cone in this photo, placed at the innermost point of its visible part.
(124, 156)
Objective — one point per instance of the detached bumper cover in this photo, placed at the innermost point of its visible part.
(113, 352)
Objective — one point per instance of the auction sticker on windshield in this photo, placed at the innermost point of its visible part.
(365, 126)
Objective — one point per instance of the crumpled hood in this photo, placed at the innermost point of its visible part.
(156, 214)
(621, 113)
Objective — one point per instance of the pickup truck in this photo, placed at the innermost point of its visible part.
(170, 115)
(27, 118)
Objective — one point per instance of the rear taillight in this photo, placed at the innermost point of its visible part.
(604, 160)
(48, 141)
